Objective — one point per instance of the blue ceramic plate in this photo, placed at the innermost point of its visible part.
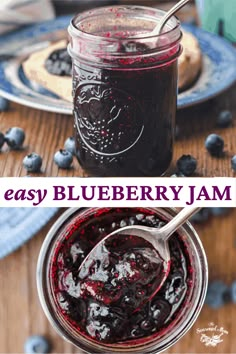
(18, 225)
(218, 72)
(219, 62)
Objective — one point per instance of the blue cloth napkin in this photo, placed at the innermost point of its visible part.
(18, 225)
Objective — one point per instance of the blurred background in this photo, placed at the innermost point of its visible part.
(214, 15)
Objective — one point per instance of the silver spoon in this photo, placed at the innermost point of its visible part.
(158, 238)
(159, 27)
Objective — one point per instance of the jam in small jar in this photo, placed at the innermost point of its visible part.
(108, 307)
(124, 90)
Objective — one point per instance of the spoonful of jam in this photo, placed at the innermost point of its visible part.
(130, 265)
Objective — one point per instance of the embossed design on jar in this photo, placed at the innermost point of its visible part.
(109, 120)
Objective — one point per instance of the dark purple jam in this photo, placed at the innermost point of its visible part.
(59, 63)
(110, 301)
(124, 117)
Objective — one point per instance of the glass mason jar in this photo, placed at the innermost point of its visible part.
(62, 233)
(124, 90)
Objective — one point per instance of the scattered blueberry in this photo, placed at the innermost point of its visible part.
(224, 119)
(216, 294)
(32, 162)
(15, 137)
(4, 104)
(214, 144)
(2, 139)
(219, 211)
(63, 158)
(59, 63)
(233, 292)
(70, 145)
(187, 165)
(200, 216)
(233, 162)
(36, 344)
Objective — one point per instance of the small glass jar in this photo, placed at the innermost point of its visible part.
(180, 322)
(124, 90)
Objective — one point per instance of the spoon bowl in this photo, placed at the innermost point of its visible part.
(157, 237)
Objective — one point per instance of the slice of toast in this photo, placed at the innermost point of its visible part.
(190, 61)
(35, 70)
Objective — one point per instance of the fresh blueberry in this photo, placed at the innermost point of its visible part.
(187, 165)
(214, 145)
(4, 104)
(233, 292)
(233, 162)
(70, 145)
(32, 162)
(2, 139)
(63, 158)
(216, 294)
(36, 344)
(219, 211)
(200, 216)
(224, 119)
(15, 137)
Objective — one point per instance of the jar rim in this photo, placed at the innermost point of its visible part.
(75, 31)
(192, 314)
(121, 36)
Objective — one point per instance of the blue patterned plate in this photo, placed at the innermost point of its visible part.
(217, 75)
(18, 225)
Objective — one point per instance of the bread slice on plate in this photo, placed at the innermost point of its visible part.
(35, 70)
(190, 61)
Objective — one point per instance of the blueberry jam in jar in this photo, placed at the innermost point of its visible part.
(108, 307)
(124, 90)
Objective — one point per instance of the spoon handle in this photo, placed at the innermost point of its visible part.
(178, 221)
(157, 30)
